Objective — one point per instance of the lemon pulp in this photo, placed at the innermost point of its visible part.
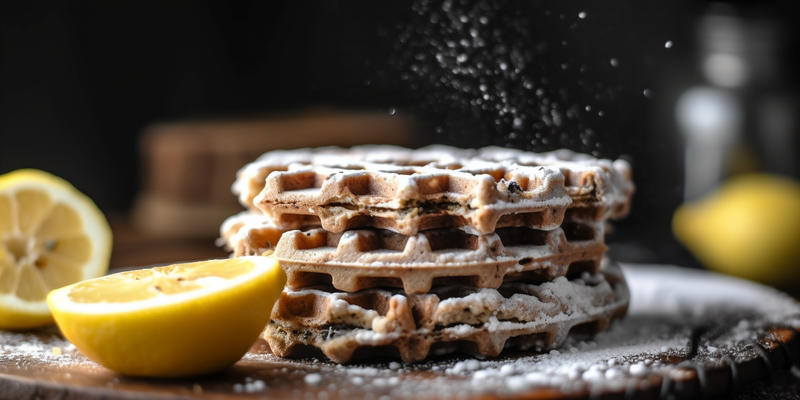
(51, 235)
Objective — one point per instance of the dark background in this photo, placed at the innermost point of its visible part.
(80, 81)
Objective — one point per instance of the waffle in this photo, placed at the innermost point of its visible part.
(364, 258)
(249, 233)
(606, 197)
(479, 321)
(250, 179)
(476, 194)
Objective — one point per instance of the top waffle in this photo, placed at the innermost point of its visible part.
(434, 187)
(250, 179)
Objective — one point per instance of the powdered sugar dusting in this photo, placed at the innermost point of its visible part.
(706, 290)
(23, 349)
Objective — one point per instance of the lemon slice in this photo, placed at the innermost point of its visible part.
(51, 235)
(180, 320)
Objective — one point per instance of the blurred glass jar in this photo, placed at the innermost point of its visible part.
(743, 116)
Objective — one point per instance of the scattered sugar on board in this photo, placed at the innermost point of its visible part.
(24, 349)
(250, 387)
(313, 379)
(626, 351)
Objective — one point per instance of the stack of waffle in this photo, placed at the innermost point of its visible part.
(416, 252)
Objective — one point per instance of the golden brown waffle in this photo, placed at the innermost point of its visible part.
(412, 199)
(250, 179)
(358, 259)
(480, 195)
(249, 233)
(347, 326)
(606, 197)
(230, 227)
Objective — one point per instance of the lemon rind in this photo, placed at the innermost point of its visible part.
(13, 303)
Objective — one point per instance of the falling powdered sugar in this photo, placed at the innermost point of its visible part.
(487, 70)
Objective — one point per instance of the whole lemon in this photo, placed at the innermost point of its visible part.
(749, 227)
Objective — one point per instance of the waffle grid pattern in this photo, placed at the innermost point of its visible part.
(411, 253)
(347, 326)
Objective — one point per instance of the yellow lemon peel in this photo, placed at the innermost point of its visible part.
(750, 228)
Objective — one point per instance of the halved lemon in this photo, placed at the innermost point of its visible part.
(174, 321)
(51, 235)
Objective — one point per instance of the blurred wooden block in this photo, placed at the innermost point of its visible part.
(134, 248)
(189, 167)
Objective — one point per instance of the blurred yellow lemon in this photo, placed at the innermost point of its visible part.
(51, 235)
(179, 320)
(749, 227)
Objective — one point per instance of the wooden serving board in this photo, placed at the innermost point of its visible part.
(688, 334)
